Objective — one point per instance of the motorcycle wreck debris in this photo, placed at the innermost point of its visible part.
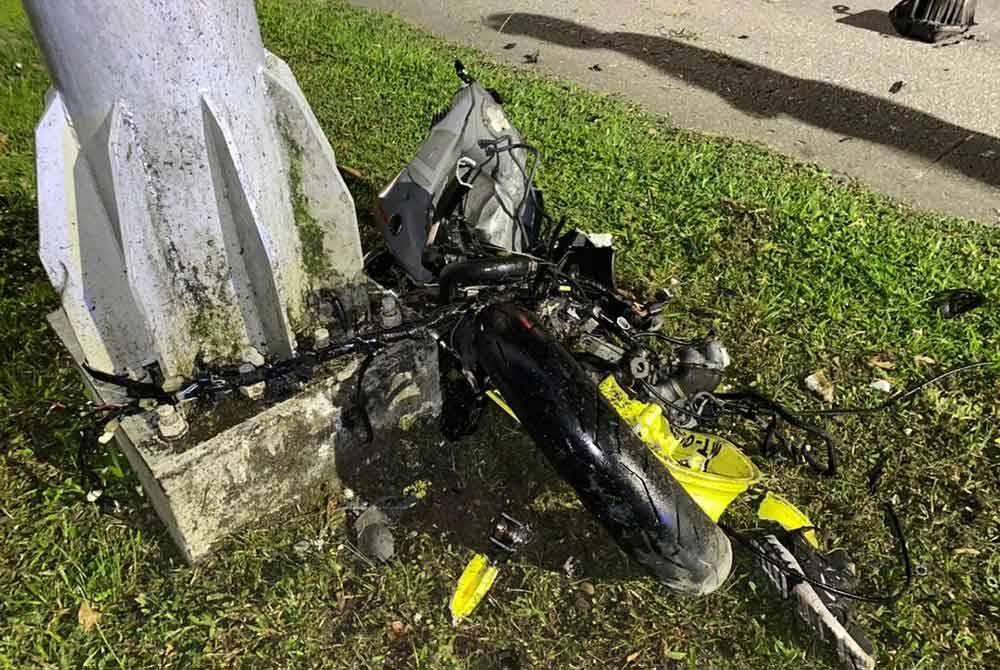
(527, 315)
(617, 406)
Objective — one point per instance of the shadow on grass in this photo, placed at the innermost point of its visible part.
(767, 93)
(365, 195)
(500, 470)
(473, 480)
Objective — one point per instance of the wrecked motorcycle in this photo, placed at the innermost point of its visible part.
(543, 331)
(527, 315)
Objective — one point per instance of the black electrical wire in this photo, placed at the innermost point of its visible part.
(895, 528)
(345, 322)
(673, 405)
(228, 380)
(133, 388)
(750, 404)
(554, 236)
(668, 338)
(359, 395)
(493, 150)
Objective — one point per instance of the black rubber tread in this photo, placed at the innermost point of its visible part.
(645, 510)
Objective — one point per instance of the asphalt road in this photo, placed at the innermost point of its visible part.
(813, 80)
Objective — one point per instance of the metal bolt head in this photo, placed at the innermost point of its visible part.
(253, 391)
(391, 316)
(253, 357)
(170, 423)
(173, 384)
(639, 367)
(321, 338)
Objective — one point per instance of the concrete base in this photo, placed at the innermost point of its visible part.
(245, 460)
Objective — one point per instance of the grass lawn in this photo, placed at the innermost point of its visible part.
(796, 269)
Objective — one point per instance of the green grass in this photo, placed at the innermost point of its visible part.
(794, 269)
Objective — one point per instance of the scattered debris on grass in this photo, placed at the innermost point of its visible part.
(958, 301)
(881, 361)
(399, 630)
(821, 385)
(375, 540)
(350, 171)
(88, 616)
(966, 551)
(882, 385)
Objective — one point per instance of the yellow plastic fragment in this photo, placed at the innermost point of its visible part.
(777, 509)
(476, 581)
(498, 399)
(711, 469)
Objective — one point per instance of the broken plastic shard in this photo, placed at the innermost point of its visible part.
(881, 385)
(821, 385)
(476, 581)
(955, 302)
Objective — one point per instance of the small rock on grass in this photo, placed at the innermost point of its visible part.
(88, 616)
(375, 540)
(881, 385)
(881, 361)
(821, 385)
(399, 630)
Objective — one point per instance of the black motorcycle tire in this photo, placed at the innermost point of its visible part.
(618, 480)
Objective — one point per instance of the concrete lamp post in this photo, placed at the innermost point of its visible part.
(191, 214)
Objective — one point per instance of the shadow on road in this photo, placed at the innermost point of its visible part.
(870, 19)
(766, 93)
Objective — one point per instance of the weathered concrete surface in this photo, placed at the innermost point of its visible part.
(810, 80)
(189, 204)
(205, 487)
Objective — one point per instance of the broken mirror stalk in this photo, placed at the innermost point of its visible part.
(206, 253)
